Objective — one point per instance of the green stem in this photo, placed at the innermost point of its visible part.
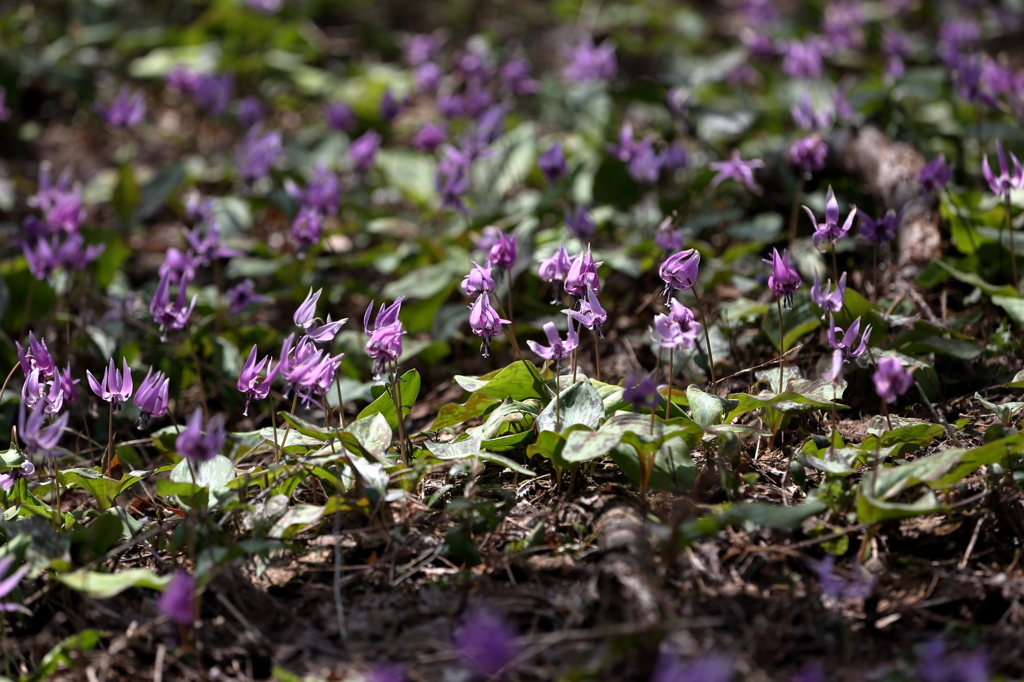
(288, 425)
(707, 342)
(671, 375)
(110, 442)
(597, 355)
(400, 418)
(1013, 245)
(782, 347)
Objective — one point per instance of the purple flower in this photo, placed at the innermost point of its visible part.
(490, 126)
(486, 642)
(10, 477)
(515, 75)
(674, 158)
(387, 315)
(556, 348)
(1002, 184)
(679, 271)
(737, 169)
(249, 111)
(195, 445)
(825, 297)
(182, 79)
(555, 269)
(213, 92)
(427, 77)
(935, 666)
(478, 281)
(386, 673)
(9, 582)
(578, 220)
(320, 193)
(640, 391)
(258, 152)
(67, 385)
(40, 440)
(955, 35)
(244, 295)
(891, 380)
(420, 48)
(831, 231)
(842, 25)
(934, 175)
(363, 150)
(390, 108)
(896, 48)
(834, 374)
(854, 342)
(589, 62)
(784, 280)
(645, 165)
(116, 387)
(452, 177)
(208, 247)
(485, 322)
(384, 347)
(582, 274)
(176, 601)
(339, 116)
(252, 383)
(305, 314)
(552, 162)
(759, 13)
(626, 147)
(668, 238)
(430, 137)
(166, 314)
(179, 266)
(152, 396)
(807, 117)
(883, 229)
(707, 668)
(307, 228)
(489, 236)
(591, 315)
(127, 109)
(504, 253)
(802, 59)
(809, 153)
(677, 329)
(264, 6)
(837, 587)
(37, 357)
(969, 79)
(473, 66)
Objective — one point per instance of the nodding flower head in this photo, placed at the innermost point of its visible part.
(252, 383)
(485, 322)
(556, 348)
(194, 444)
(679, 271)
(825, 297)
(590, 314)
(809, 153)
(478, 281)
(1005, 181)
(36, 357)
(387, 315)
(116, 386)
(934, 175)
(784, 280)
(854, 341)
(881, 230)
(385, 347)
(152, 396)
(504, 253)
(305, 315)
(891, 380)
(582, 274)
(555, 269)
(552, 162)
(640, 391)
(38, 439)
(737, 169)
(127, 109)
(677, 329)
(176, 602)
(170, 315)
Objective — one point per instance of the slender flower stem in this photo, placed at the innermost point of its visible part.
(558, 397)
(400, 417)
(9, 375)
(671, 376)
(1013, 245)
(707, 342)
(794, 214)
(597, 355)
(110, 442)
(782, 346)
(341, 403)
(273, 420)
(288, 426)
(835, 264)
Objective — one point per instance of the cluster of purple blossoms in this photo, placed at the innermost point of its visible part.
(842, 24)
(643, 163)
(803, 59)
(127, 109)
(152, 397)
(430, 137)
(807, 117)
(678, 329)
(211, 92)
(54, 240)
(45, 386)
(809, 153)
(167, 313)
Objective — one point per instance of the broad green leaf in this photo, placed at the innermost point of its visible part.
(410, 172)
(708, 409)
(103, 489)
(511, 416)
(453, 414)
(1004, 411)
(518, 381)
(213, 474)
(300, 515)
(579, 404)
(583, 445)
(790, 401)
(673, 471)
(872, 510)
(970, 278)
(469, 448)
(105, 585)
(373, 433)
(408, 390)
(1018, 380)
(1014, 308)
(774, 515)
